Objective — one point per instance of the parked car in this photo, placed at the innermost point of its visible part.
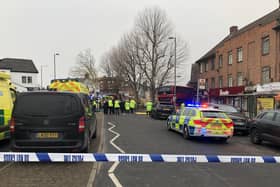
(266, 126)
(240, 121)
(162, 111)
(52, 121)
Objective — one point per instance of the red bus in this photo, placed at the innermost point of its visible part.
(184, 94)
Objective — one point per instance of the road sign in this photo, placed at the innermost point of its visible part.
(201, 84)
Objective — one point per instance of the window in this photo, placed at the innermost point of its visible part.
(239, 54)
(206, 66)
(220, 61)
(230, 57)
(265, 45)
(268, 116)
(212, 64)
(200, 68)
(230, 82)
(239, 79)
(265, 75)
(213, 82)
(220, 81)
(23, 79)
(29, 80)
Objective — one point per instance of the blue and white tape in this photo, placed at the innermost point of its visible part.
(98, 157)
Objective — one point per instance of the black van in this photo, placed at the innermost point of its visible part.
(52, 121)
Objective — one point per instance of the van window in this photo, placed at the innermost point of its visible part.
(46, 105)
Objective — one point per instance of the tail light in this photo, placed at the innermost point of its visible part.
(229, 125)
(200, 122)
(12, 125)
(82, 124)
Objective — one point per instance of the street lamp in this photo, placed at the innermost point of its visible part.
(54, 66)
(42, 66)
(175, 43)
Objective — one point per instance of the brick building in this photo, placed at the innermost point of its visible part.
(114, 85)
(245, 65)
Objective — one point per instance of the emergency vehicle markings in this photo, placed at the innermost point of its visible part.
(115, 165)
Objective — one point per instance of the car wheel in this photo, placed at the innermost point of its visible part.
(224, 140)
(169, 125)
(255, 137)
(186, 134)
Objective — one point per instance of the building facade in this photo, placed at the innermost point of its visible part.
(244, 60)
(24, 73)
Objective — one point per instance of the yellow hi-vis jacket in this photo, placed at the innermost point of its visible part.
(110, 103)
(149, 106)
(132, 104)
(117, 104)
(127, 105)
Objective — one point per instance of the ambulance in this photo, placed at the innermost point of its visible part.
(7, 99)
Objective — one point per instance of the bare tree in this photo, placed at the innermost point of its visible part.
(106, 65)
(153, 30)
(85, 67)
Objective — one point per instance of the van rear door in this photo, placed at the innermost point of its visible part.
(49, 115)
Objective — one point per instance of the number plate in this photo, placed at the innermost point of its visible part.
(47, 135)
(216, 126)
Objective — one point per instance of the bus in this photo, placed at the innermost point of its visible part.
(184, 94)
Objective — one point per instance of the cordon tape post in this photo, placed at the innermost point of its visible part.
(133, 158)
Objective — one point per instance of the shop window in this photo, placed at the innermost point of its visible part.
(265, 75)
(265, 45)
(239, 79)
(239, 54)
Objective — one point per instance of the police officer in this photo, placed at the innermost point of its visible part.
(149, 107)
(94, 104)
(117, 106)
(111, 105)
(132, 105)
(122, 106)
(127, 106)
(105, 106)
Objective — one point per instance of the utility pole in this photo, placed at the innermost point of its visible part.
(54, 65)
(175, 62)
(42, 66)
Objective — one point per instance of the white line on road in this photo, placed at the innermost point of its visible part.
(115, 165)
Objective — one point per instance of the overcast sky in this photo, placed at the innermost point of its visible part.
(35, 29)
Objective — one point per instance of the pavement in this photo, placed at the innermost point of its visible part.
(137, 133)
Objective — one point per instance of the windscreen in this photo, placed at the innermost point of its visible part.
(213, 114)
(46, 105)
(165, 90)
(229, 109)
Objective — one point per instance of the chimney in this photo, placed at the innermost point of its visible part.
(234, 29)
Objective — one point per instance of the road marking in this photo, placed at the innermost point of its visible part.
(6, 166)
(115, 165)
(141, 113)
(96, 166)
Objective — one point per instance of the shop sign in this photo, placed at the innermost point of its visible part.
(202, 84)
(224, 92)
(274, 86)
(250, 89)
(265, 104)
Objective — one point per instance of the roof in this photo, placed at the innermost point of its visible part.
(268, 18)
(18, 65)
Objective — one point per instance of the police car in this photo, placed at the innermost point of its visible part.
(201, 121)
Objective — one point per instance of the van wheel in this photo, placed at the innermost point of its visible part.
(255, 137)
(95, 131)
(86, 149)
(186, 134)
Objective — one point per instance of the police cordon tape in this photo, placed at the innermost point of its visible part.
(133, 158)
